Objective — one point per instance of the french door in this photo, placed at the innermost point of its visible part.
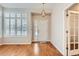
(73, 32)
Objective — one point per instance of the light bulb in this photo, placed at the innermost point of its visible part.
(43, 13)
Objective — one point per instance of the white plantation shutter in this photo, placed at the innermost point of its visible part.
(15, 23)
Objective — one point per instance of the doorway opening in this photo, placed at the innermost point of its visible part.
(72, 27)
(41, 28)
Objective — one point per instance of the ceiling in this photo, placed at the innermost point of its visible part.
(37, 6)
(26, 5)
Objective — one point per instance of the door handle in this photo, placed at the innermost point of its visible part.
(67, 31)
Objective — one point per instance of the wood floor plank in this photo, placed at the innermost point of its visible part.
(34, 49)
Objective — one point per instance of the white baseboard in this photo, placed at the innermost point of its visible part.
(15, 43)
(57, 48)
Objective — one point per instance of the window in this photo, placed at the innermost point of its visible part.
(15, 23)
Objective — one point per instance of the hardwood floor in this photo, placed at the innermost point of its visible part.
(34, 49)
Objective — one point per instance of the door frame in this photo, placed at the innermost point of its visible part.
(66, 29)
(49, 25)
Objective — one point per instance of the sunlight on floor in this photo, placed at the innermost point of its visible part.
(36, 49)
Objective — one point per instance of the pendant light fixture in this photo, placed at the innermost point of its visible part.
(43, 12)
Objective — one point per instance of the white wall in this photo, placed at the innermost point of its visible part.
(0, 24)
(58, 26)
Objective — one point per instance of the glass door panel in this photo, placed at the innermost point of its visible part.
(71, 46)
(76, 46)
(72, 33)
(71, 38)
